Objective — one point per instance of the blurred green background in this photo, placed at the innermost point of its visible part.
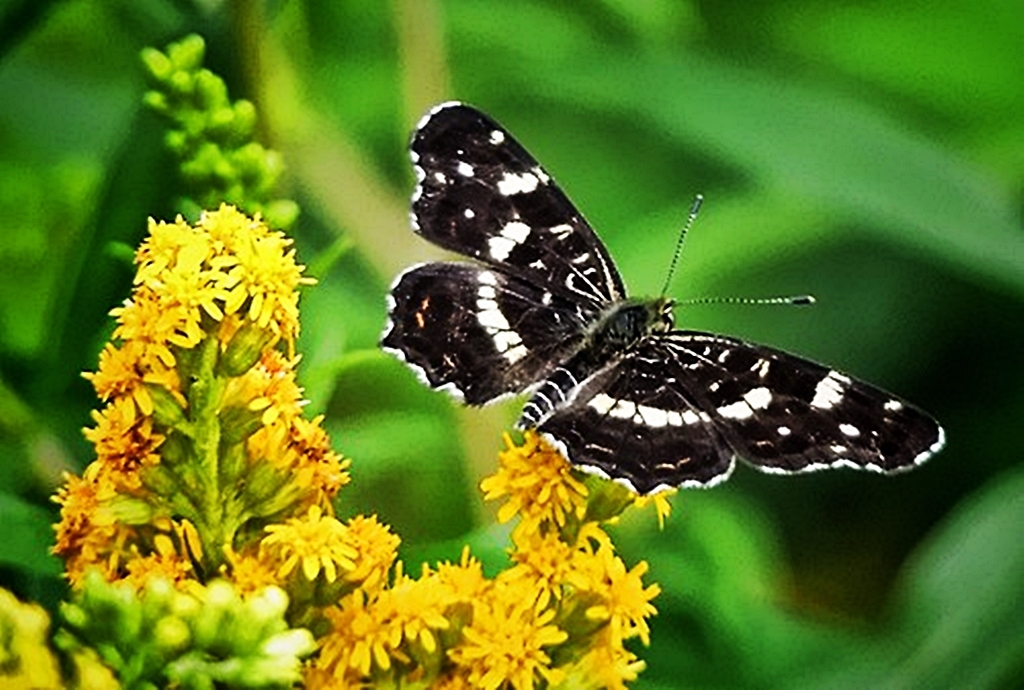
(869, 153)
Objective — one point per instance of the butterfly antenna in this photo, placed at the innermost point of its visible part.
(692, 216)
(797, 300)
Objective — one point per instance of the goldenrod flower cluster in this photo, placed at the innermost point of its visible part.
(558, 616)
(206, 470)
(201, 441)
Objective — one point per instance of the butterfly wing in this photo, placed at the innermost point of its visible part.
(673, 411)
(477, 332)
(632, 422)
(783, 413)
(481, 194)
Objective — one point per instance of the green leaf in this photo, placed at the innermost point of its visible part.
(959, 617)
(28, 534)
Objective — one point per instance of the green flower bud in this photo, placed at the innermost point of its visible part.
(245, 349)
(158, 64)
(606, 499)
(166, 408)
(187, 53)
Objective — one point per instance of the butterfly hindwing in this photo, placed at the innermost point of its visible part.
(634, 423)
(481, 194)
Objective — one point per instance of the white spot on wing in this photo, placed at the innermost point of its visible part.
(653, 416)
(737, 410)
(468, 213)
(516, 231)
(511, 183)
(894, 406)
(512, 234)
(563, 231)
(829, 391)
(690, 417)
(464, 169)
(849, 430)
(489, 316)
(601, 403)
(500, 247)
(784, 431)
(497, 137)
(758, 398)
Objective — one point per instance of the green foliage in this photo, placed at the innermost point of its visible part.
(869, 153)
(163, 636)
(212, 138)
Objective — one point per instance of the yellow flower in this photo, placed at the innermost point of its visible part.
(375, 548)
(124, 440)
(627, 602)
(316, 541)
(466, 580)
(662, 506)
(414, 609)
(26, 662)
(88, 533)
(357, 640)
(544, 564)
(165, 562)
(508, 643)
(605, 667)
(251, 573)
(397, 624)
(539, 485)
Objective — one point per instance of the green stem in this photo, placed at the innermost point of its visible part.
(205, 399)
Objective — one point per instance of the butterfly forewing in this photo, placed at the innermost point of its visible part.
(673, 411)
(478, 332)
(541, 313)
(479, 193)
(784, 413)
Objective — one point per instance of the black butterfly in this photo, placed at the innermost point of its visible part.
(612, 385)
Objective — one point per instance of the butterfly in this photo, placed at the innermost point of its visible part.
(612, 384)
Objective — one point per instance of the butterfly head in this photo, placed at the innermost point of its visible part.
(630, 321)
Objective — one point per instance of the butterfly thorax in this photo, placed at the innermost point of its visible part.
(626, 323)
(612, 336)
